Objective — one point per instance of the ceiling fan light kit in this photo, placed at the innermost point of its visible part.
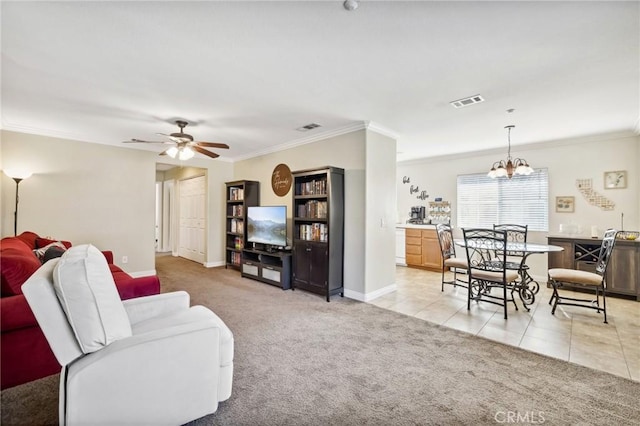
(184, 146)
(183, 152)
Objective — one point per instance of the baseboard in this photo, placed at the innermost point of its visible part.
(142, 273)
(362, 297)
(214, 264)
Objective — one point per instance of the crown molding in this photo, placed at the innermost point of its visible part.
(524, 147)
(349, 128)
(39, 131)
(370, 125)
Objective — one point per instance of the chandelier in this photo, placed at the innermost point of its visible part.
(519, 166)
(182, 151)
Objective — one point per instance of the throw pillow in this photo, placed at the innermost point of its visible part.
(39, 252)
(16, 269)
(89, 298)
(29, 238)
(52, 253)
(42, 242)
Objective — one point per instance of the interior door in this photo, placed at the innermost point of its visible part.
(192, 219)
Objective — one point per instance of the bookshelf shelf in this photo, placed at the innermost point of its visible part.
(318, 230)
(239, 195)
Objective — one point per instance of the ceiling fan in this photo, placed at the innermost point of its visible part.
(183, 144)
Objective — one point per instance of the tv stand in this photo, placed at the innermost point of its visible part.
(272, 267)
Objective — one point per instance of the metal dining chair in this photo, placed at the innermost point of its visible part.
(449, 259)
(516, 261)
(589, 280)
(484, 247)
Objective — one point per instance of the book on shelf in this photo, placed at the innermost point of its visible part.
(313, 232)
(237, 226)
(313, 209)
(313, 187)
(236, 210)
(236, 258)
(236, 194)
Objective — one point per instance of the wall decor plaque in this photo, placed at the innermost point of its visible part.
(565, 204)
(615, 180)
(281, 180)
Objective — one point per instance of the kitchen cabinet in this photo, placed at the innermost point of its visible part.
(422, 249)
(623, 273)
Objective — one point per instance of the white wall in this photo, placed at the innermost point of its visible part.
(566, 160)
(346, 151)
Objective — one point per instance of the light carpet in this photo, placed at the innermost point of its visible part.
(302, 361)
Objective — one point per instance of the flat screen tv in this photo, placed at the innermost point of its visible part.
(267, 225)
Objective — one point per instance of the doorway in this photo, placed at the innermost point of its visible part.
(181, 211)
(192, 214)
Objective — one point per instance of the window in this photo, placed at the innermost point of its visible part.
(524, 200)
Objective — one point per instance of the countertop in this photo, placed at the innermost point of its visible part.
(414, 226)
(585, 238)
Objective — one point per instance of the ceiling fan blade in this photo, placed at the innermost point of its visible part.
(142, 141)
(213, 145)
(173, 138)
(205, 152)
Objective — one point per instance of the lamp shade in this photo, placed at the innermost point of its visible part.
(185, 153)
(172, 152)
(17, 173)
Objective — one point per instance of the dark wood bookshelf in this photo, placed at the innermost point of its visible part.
(318, 230)
(240, 195)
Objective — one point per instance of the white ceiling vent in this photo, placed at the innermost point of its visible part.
(475, 99)
(308, 127)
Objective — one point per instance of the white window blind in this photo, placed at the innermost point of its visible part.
(523, 200)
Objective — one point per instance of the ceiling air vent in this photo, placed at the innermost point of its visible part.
(307, 127)
(467, 101)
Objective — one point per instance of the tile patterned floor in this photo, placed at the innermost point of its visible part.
(572, 334)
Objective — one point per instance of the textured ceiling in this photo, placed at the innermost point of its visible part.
(250, 73)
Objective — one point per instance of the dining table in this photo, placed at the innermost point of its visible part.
(527, 287)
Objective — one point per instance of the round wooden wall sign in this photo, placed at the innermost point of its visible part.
(281, 180)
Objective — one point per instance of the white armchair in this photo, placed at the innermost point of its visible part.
(174, 367)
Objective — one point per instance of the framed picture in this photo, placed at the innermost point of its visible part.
(615, 180)
(565, 204)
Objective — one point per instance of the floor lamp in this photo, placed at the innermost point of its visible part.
(18, 176)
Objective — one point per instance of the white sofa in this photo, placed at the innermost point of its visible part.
(174, 365)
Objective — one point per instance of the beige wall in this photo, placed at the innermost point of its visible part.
(345, 151)
(105, 195)
(380, 273)
(368, 158)
(84, 193)
(566, 160)
(216, 173)
(99, 194)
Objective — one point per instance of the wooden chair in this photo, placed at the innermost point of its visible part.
(589, 280)
(486, 257)
(449, 259)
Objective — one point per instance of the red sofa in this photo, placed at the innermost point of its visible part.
(25, 353)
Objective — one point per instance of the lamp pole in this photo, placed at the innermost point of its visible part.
(18, 175)
(15, 213)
